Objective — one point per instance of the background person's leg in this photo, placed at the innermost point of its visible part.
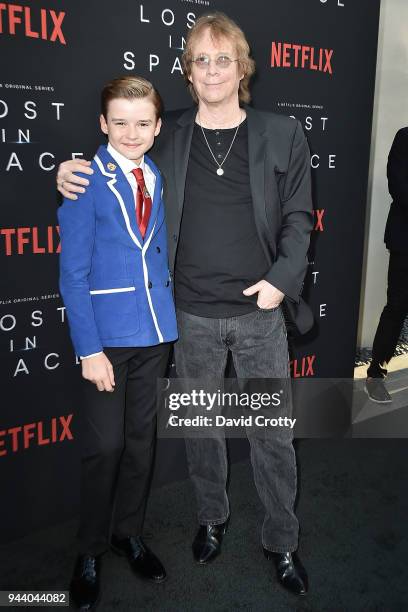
(392, 317)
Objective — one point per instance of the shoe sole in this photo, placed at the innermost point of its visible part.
(376, 400)
(210, 560)
(121, 553)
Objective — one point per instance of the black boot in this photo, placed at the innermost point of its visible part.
(291, 573)
(207, 543)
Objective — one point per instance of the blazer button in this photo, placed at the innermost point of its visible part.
(158, 249)
(175, 237)
(150, 284)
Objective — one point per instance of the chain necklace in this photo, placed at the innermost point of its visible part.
(220, 170)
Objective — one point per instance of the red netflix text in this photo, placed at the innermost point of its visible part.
(318, 219)
(32, 22)
(33, 240)
(289, 55)
(42, 433)
(300, 368)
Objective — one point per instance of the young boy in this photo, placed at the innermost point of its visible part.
(116, 287)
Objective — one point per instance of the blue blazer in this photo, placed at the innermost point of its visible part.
(116, 286)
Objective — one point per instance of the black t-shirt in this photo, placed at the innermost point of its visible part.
(219, 253)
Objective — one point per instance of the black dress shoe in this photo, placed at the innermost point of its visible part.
(207, 543)
(291, 573)
(85, 584)
(140, 557)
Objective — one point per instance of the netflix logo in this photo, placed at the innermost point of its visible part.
(290, 55)
(32, 22)
(42, 433)
(30, 240)
(303, 367)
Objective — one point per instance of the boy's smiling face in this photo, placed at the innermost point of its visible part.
(131, 126)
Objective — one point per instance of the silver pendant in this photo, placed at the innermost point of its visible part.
(220, 171)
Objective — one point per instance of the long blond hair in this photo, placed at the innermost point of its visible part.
(220, 26)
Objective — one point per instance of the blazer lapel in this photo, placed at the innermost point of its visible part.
(121, 189)
(257, 149)
(182, 144)
(122, 185)
(156, 201)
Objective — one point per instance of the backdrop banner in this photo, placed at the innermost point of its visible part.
(315, 61)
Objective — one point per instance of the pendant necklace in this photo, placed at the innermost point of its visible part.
(220, 170)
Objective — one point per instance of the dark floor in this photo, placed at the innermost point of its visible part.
(353, 509)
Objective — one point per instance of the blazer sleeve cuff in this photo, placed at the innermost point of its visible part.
(283, 280)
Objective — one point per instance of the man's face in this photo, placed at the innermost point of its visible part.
(131, 126)
(214, 84)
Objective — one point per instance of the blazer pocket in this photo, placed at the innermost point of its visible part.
(116, 311)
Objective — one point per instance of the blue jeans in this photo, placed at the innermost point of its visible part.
(258, 345)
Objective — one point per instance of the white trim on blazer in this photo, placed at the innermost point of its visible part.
(135, 240)
(119, 290)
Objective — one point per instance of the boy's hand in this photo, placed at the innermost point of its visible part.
(98, 369)
(69, 183)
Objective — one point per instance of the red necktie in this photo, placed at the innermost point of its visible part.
(143, 202)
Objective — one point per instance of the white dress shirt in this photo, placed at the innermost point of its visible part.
(127, 165)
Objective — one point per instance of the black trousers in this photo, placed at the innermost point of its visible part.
(393, 315)
(118, 432)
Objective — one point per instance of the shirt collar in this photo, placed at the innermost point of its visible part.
(125, 164)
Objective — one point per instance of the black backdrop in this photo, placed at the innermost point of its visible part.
(55, 57)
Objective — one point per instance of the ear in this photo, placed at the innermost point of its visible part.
(158, 127)
(104, 125)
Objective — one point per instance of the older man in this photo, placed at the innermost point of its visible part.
(239, 217)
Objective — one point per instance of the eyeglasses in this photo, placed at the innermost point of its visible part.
(222, 61)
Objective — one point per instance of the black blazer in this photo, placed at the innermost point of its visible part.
(279, 166)
(396, 230)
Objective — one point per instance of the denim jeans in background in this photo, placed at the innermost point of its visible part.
(259, 349)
